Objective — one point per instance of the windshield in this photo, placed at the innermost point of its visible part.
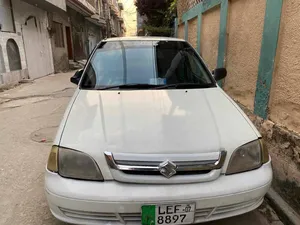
(145, 64)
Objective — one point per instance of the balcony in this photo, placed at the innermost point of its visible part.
(92, 3)
(96, 19)
(82, 6)
(49, 5)
(113, 5)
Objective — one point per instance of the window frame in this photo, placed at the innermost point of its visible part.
(14, 57)
(12, 18)
(61, 28)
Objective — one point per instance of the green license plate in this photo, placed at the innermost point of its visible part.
(175, 214)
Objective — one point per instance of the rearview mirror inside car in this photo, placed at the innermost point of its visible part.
(76, 77)
(219, 73)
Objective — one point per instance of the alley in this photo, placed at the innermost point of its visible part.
(29, 117)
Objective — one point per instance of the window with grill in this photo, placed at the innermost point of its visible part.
(58, 35)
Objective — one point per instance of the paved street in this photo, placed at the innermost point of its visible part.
(29, 117)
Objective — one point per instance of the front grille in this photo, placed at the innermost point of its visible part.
(202, 213)
(132, 218)
(233, 207)
(156, 173)
(89, 215)
(98, 216)
(159, 168)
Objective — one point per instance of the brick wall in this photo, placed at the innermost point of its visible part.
(185, 5)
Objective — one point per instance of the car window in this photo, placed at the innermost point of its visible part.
(144, 62)
(195, 66)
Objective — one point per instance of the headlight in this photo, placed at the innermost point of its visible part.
(73, 164)
(52, 160)
(248, 157)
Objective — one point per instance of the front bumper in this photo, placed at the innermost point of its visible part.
(110, 202)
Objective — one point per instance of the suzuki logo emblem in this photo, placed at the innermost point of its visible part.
(167, 168)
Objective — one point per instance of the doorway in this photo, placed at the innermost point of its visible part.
(69, 42)
(37, 46)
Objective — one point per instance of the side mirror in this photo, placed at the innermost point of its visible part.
(219, 73)
(76, 78)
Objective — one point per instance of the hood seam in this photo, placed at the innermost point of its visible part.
(67, 117)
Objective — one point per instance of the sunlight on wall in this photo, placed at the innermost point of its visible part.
(130, 17)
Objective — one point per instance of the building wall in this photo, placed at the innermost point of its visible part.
(40, 56)
(79, 36)
(2, 65)
(6, 18)
(94, 35)
(12, 77)
(244, 28)
(284, 104)
(210, 37)
(246, 33)
(130, 17)
(181, 31)
(60, 54)
(193, 32)
(4, 36)
(58, 3)
(185, 5)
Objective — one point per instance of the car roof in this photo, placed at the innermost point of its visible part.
(139, 38)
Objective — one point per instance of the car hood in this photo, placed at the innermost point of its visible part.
(155, 121)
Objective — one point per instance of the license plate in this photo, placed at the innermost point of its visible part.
(174, 214)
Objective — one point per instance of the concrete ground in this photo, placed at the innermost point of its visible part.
(29, 117)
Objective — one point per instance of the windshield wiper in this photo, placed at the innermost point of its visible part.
(185, 86)
(129, 86)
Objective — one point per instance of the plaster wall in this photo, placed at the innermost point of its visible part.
(284, 104)
(210, 37)
(193, 32)
(244, 29)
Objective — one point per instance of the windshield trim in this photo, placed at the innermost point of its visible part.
(203, 64)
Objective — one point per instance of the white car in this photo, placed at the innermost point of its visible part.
(150, 138)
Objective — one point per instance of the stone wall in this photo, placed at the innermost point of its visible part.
(185, 5)
(284, 148)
